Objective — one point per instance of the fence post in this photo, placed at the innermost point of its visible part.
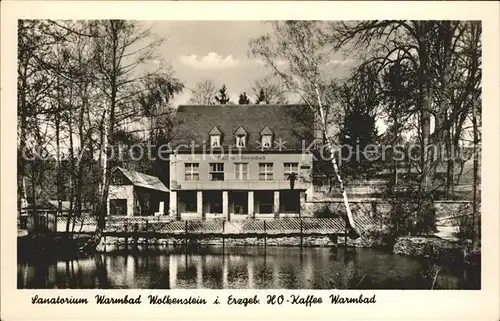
(136, 232)
(301, 233)
(223, 233)
(265, 235)
(146, 238)
(345, 234)
(126, 234)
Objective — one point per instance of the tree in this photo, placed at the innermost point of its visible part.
(64, 63)
(426, 49)
(222, 97)
(408, 41)
(269, 90)
(155, 106)
(243, 100)
(82, 87)
(447, 75)
(431, 71)
(42, 97)
(471, 94)
(398, 86)
(204, 93)
(119, 51)
(358, 131)
(154, 102)
(359, 96)
(302, 45)
(261, 97)
(33, 87)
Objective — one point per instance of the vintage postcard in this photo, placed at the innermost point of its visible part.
(244, 160)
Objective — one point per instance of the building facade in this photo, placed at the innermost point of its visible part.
(240, 161)
(133, 193)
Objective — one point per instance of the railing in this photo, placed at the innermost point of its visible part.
(276, 184)
(81, 224)
(240, 227)
(169, 226)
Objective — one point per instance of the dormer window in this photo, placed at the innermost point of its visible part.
(266, 141)
(215, 136)
(266, 138)
(215, 141)
(240, 141)
(241, 137)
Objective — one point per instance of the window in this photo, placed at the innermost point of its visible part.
(239, 202)
(118, 207)
(240, 141)
(240, 171)
(241, 137)
(215, 135)
(214, 201)
(188, 201)
(265, 201)
(266, 141)
(289, 201)
(192, 171)
(216, 171)
(266, 137)
(291, 168)
(215, 141)
(266, 171)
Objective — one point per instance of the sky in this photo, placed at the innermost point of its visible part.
(217, 50)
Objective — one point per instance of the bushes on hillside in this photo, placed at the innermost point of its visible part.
(325, 212)
(377, 236)
(412, 215)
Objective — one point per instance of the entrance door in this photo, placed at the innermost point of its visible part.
(212, 201)
(264, 201)
(118, 207)
(290, 202)
(240, 202)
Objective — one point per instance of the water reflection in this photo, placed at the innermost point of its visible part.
(243, 268)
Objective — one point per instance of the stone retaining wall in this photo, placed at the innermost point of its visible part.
(379, 208)
(434, 248)
(371, 207)
(307, 241)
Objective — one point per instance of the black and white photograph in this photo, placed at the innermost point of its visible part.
(295, 154)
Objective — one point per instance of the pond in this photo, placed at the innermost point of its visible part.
(243, 268)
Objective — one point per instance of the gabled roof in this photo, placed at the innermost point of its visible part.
(143, 180)
(214, 131)
(289, 123)
(266, 131)
(240, 131)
